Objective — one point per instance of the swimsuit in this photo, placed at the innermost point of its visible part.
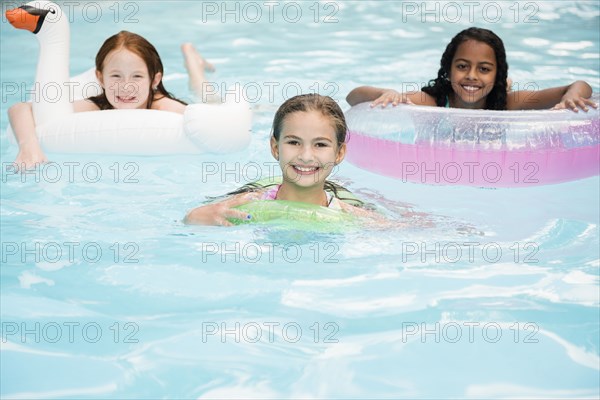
(332, 202)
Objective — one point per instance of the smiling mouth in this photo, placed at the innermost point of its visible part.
(126, 99)
(302, 170)
(470, 88)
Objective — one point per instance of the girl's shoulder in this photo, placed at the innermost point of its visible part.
(167, 104)
(84, 106)
(256, 189)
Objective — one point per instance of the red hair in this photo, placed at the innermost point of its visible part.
(145, 50)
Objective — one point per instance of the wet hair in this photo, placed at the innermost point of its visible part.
(335, 189)
(144, 49)
(328, 107)
(440, 88)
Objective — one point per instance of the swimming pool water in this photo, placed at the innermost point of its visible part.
(487, 292)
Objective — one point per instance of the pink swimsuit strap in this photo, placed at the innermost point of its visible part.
(271, 194)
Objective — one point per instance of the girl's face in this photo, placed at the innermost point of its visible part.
(307, 149)
(126, 80)
(472, 74)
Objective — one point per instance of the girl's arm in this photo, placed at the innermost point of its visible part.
(84, 105)
(218, 213)
(383, 97)
(362, 94)
(30, 152)
(23, 125)
(572, 97)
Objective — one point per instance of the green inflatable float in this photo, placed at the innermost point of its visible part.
(296, 215)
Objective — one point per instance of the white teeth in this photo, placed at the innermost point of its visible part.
(305, 169)
(471, 88)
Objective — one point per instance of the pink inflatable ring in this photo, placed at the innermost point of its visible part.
(475, 147)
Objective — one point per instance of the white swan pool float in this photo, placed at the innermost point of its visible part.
(203, 128)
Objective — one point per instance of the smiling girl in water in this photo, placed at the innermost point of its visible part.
(130, 73)
(308, 141)
(473, 74)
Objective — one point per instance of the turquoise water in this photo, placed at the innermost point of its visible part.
(487, 293)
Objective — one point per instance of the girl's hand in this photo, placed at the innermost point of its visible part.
(574, 103)
(218, 213)
(391, 96)
(29, 157)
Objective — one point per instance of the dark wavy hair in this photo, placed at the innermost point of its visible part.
(440, 88)
(144, 49)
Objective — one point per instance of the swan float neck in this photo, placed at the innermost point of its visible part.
(51, 96)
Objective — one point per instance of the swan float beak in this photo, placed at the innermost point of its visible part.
(27, 17)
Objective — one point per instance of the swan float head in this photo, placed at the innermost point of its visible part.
(38, 17)
(51, 27)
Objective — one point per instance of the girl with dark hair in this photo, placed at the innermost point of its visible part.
(130, 73)
(473, 74)
(308, 140)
